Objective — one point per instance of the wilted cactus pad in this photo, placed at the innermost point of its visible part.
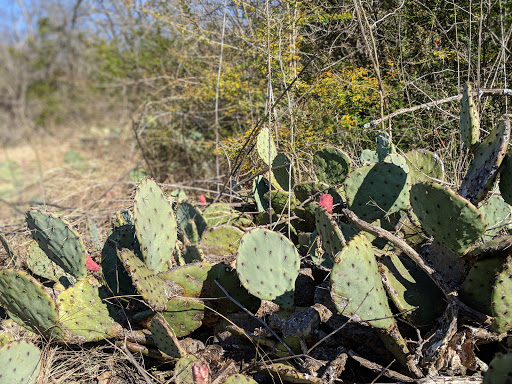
(267, 263)
(451, 219)
(356, 285)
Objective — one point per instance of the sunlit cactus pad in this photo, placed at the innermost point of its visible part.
(501, 298)
(84, 314)
(424, 166)
(59, 241)
(469, 119)
(267, 263)
(266, 147)
(331, 165)
(451, 219)
(165, 338)
(21, 363)
(26, 302)
(483, 169)
(375, 191)
(356, 285)
(155, 225)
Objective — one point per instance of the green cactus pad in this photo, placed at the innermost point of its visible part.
(501, 246)
(283, 173)
(497, 214)
(368, 157)
(424, 166)
(375, 191)
(384, 145)
(356, 286)
(331, 165)
(506, 179)
(501, 298)
(267, 263)
(222, 213)
(329, 232)
(183, 370)
(477, 289)
(113, 269)
(280, 200)
(155, 226)
(500, 370)
(190, 276)
(239, 379)
(412, 291)
(469, 120)
(221, 243)
(21, 363)
(483, 169)
(191, 254)
(260, 186)
(26, 302)
(451, 219)
(59, 241)
(307, 190)
(165, 339)
(184, 214)
(41, 265)
(266, 147)
(183, 315)
(84, 314)
(287, 373)
(151, 287)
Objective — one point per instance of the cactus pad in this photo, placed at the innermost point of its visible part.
(260, 186)
(500, 370)
(501, 298)
(384, 145)
(451, 219)
(59, 241)
(183, 370)
(375, 191)
(184, 315)
(27, 302)
(221, 243)
(469, 120)
(267, 263)
(151, 287)
(424, 166)
(283, 173)
(239, 379)
(331, 165)
(165, 339)
(41, 265)
(21, 362)
(356, 286)
(82, 312)
(184, 214)
(497, 214)
(266, 147)
(506, 179)
(155, 225)
(329, 232)
(222, 213)
(306, 190)
(483, 169)
(368, 157)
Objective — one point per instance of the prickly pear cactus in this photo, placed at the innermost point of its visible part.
(375, 191)
(356, 286)
(41, 265)
(183, 370)
(384, 145)
(165, 339)
(309, 190)
(329, 232)
(260, 186)
(469, 119)
(266, 147)
(59, 241)
(368, 157)
(501, 298)
(484, 168)
(221, 243)
(497, 214)
(155, 225)
(21, 363)
(26, 301)
(424, 166)
(222, 213)
(267, 263)
(186, 213)
(451, 219)
(183, 315)
(331, 165)
(151, 287)
(239, 379)
(506, 179)
(500, 370)
(283, 173)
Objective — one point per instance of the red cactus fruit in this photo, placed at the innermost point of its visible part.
(90, 264)
(201, 199)
(200, 373)
(326, 202)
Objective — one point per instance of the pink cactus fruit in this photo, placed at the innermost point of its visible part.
(200, 372)
(326, 202)
(201, 199)
(90, 264)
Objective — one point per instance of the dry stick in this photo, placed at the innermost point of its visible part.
(379, 368)
(257, 318)
(134, 362)
(409, 251)
(481, 93)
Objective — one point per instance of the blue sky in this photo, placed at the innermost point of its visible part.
(10, 14)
